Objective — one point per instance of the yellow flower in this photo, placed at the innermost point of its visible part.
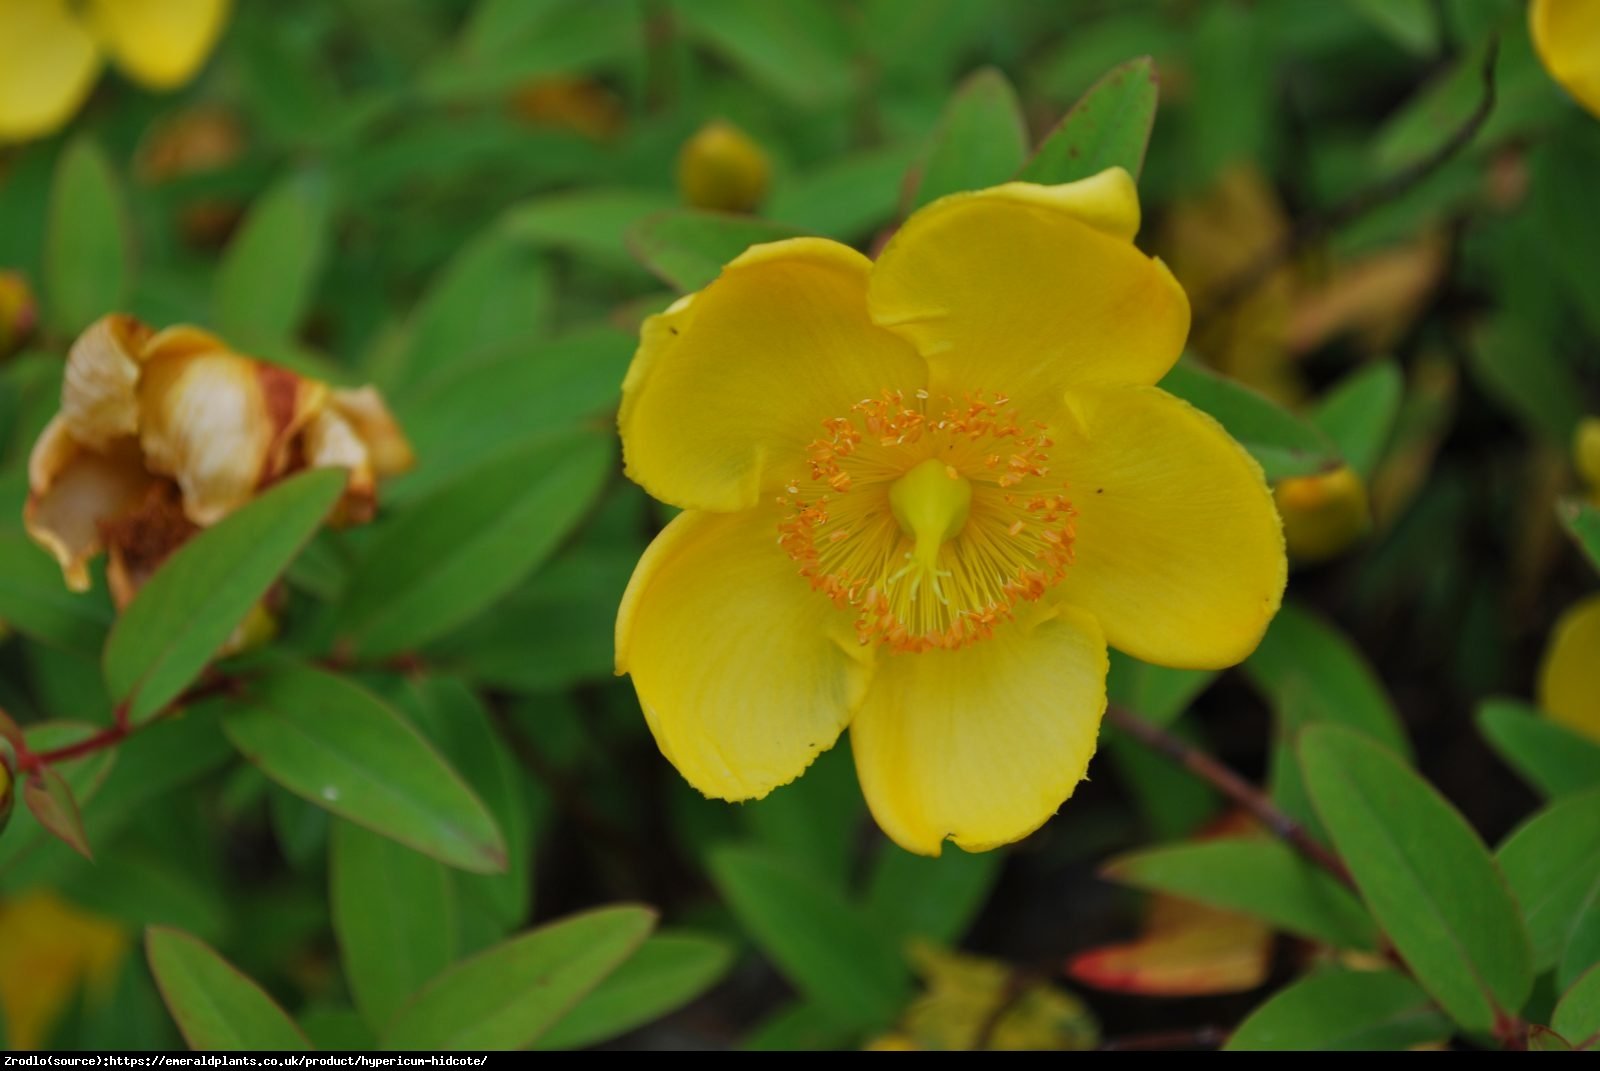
(49, 950)
(163, 433)
(721, 168)
(922, 496)
(1566, 34)
(1323, 515)
(1569, 677)
(51, 52)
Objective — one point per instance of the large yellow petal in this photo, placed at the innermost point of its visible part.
(730, 386)
(982, 744)
(1178, 550)
(1566, 34)
(48, 64)
(1569, 678)
(74, 495)
(159, 43)
(1027, 290)
(745, 674)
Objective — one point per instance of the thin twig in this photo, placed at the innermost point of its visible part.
(1199, 1037)
(1311, 228)
(1230, 785)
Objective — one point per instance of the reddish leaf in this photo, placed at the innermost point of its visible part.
(50, 799)
(1187, 949)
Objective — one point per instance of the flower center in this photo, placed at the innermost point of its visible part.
(929, 518)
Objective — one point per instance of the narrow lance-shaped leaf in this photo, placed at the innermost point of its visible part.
(507, 997)
(217, 1008)
(1577, 1016)
(1108, 127)
(337, 745)
(1425, 875)
(1342, 1011)
(831, 950)
(1282, 443)
(86, 253)
(1551, 757)
(668, 971)
(980, 141)
(1552, 862)
(190, 607)
(50, 799)
(452, 555)
(270, 269)
(687, 248)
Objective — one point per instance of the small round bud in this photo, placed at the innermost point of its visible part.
(721, 168)
(1586, 453)
(1323, 515)
(19, 312)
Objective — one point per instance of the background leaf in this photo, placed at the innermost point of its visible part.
(980, 141)
(217, 1008)
(1109, 127)
(668, 971)
(267, 277)
(88, 245)
(507, 997)
(335, 744)
(1283, 444)
(1424, 874)
(1342, 1011)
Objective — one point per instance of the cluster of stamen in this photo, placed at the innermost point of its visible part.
(1014, 539)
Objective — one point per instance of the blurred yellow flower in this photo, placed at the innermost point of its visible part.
(1586, 454)
(580, 105)
(721, 168)
(51, 52)
(1323, 515)
(972, 1002)
(49, 950)
(1569, 676)
(1566, 34)
(163, 433)
(922, 496)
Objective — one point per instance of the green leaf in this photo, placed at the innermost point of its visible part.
(932, 898)
(834, 953)
(1561, 189)
(466, 415)
(1550, 757)
(176, 624)
(846, 199)
(1252, 876)
(668, 971)
(457, 721)
(1514, 364)
(216, 1008)
(687, 248)
(507, 997)
(1342, 1011)
(591, 223)
(394, 915)
(50, 799)
(980, 141)
(1156, 693)
(447, 558)
(495, 294)
(817, 823)
(1411, 24)
(1108, 127)
(1577, 1017)
(269, 272)
(332, 742)
(34, 601)
(508, 42)
(1302, 650)
(1284, 444)
(1582, 522)
(1358, 415)
(1424, 874)
(798, 49)
(87, 250)
(1552, 863)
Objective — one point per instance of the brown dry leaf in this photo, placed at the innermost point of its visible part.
(1377, 297)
